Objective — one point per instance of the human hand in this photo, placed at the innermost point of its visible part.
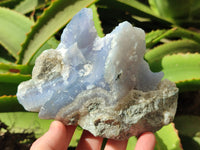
(58, 138)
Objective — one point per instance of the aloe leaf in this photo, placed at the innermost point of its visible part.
(10, 104)
(26, 6)
(172, 9)
(51, 43)
(167, 138)
(176, 32)
(155, 55)
(2, 60)
(6, 57)
(153, 6)
(136, 8)
(76, 137)
(184, 33)
(20, 122)
(151, 36)
(13, 77)
(97, 21)
(9, 3)
(131, 143)
(137, 5)
(54, 18)
(188, 85)
(8, 88)
(189, 130)
(13, 29)
(181, 67)
(13, 68)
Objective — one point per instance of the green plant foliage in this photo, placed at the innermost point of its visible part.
(13, 29)
(176, 32)
(51, 43)
(96, 20)
(153, 35)
(155, 55)
(134, 7)
(188, 85)
(131, 143)
(11, 67)
(54, 18)
(8, 89)
(189, 131)
(26, 6)
(167, 138)
(29, 123)
(9, 3)
(8, 77)
(10, 104)
(181, 67)
(176, 9)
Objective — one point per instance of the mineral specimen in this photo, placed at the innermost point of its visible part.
(102, 84)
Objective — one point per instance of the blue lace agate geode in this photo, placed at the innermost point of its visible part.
(102, 84)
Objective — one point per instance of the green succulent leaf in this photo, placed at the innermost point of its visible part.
(13, 68)
(2, 60)
(9, 3)
(151, 36)
(131, 143)
(52, 43)
(155, 55)
(13, 77)
(177, 10)
(8, 88)
(188, 85)
(76, 137)
(97, 21)
(135, 8)
(176, 32)
(20, 122)
(54, 18)
(9, 104)
(181, 68)
(167, 138)
(183, 33)
(189, 131)
(26, 6)
(13, 29)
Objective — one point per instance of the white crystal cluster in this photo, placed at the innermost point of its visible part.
(102, 84)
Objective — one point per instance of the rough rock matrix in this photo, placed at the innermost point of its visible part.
(102, 84)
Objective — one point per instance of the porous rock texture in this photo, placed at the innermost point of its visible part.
(102, 84)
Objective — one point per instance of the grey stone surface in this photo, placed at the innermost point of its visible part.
(102, 84)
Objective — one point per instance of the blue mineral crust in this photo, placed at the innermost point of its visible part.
(85, 62)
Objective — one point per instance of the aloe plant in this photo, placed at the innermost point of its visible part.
(28, 27)
(177, 11)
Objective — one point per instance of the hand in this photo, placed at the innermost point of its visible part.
(58, 138)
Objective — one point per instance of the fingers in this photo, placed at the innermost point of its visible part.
(58, 137)
(89, 142)
(115, 145)
(146, 141)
